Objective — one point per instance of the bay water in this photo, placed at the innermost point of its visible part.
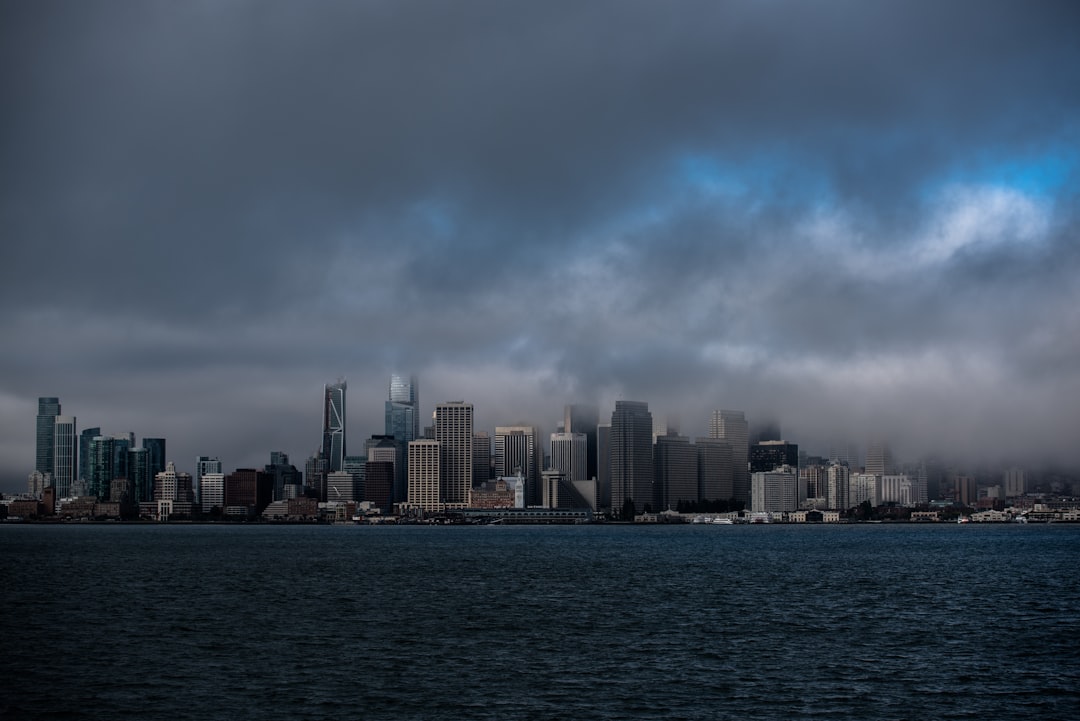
(111, 621)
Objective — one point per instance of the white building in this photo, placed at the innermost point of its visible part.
(424, 474)
(212, 493)
(775, 491)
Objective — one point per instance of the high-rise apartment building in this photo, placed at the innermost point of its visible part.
(101, 466)
(454, 434)
(156, 460)
(333, 444)
(631, 456)
(64, 455)
(516, 449)
(731, 426)
(212, 491)
(48, 410)
(838, 485)
(676, 469)
(138, 473)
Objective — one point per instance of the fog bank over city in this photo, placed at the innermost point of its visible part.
(853, 220)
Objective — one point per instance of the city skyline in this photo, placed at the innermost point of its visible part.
(859, 220)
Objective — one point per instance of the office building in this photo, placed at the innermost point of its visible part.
(716, 479)
(1014, 482)
(864, 487)
(48, 410)
(138, 473)
(584, 418)
(879, 460)
(676, 469)
(64, 454)
(156, 459)
(631, 456)
(731, 426)
(402, 411)
(342, 487)
(603, 465)
(212, 490)
(481, 458)
(85, 436)
(569, 455)
(517, 450)
(248, 489)
(333, 444)
(454, 434)
(387, 448)
(287, 478)
(424, 474)
(379, 484)
(203, 466)
(767, 455)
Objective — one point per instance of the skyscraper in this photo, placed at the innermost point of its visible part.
(424, 473)
(676, 479)
(631, 455)
(516, 449)
(583, 418)
(603, 465)
(403, 408)
(155, 458)
(569, 456)
(454, 433)
(64, 455)
(481, 458)
(715, 476)
(203, 466)
(48, 410)
(138, 472)
(100, 471)
(879, 460)
(731, 426)
(333, 445)
(767, 455)
(87, 435)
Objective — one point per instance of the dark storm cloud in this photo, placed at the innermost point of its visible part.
(698, 204)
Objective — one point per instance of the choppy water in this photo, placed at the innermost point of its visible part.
(687, 622)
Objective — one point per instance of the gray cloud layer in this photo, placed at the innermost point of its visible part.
(860, 217)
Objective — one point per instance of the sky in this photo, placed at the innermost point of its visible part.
(857, 220)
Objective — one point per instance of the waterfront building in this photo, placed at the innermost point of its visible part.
(716, 480)
(100, 472)
(774, 491)
(516, 449)
(156, 459)
(631, 456)
(424, 474)
(333, 444)
(676, 468)
(732, 427)
(64, 454)
(898, 489)
(48, 410)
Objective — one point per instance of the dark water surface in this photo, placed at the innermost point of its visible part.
(503, 622)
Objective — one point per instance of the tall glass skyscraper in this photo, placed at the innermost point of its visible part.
(333, 445)
(87, 435)
(403, 409)
(48, 410)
